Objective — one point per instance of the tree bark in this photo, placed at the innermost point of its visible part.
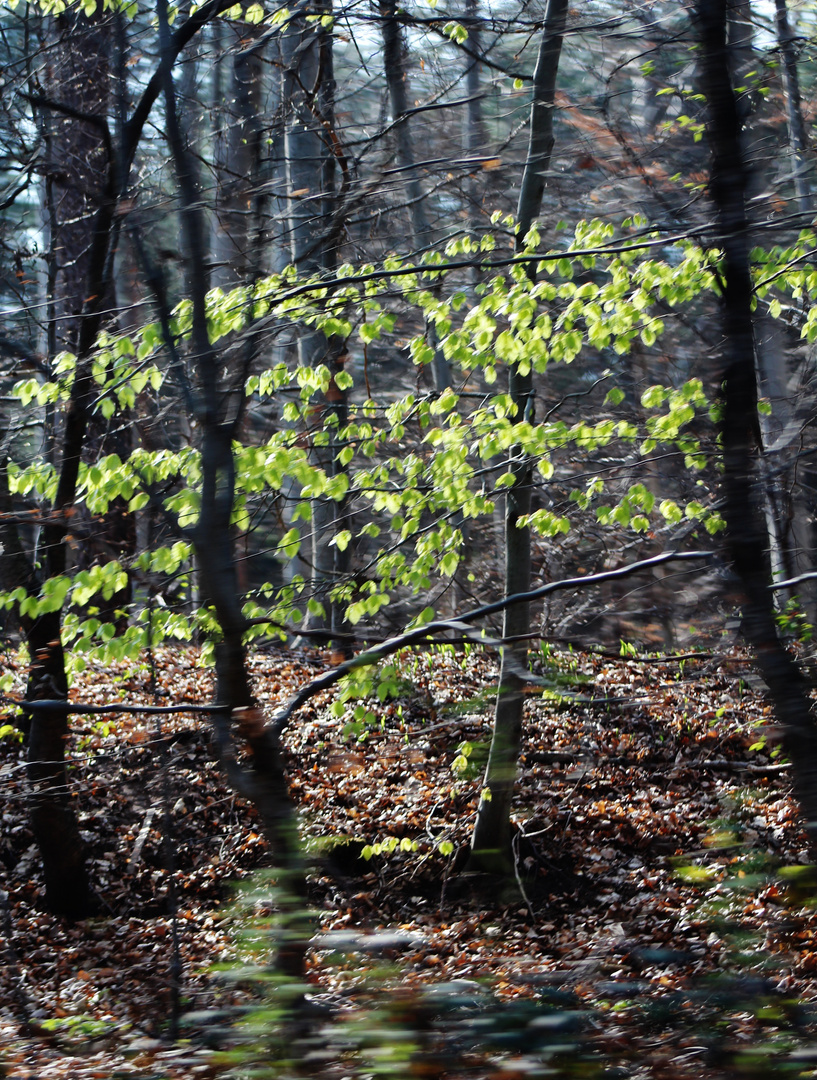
(394, 66)
(747, 536)
(265, 782)
(53, 821)
(491, 843)
(239, 154)
(798, 140)
(310, 150)
(78, 168)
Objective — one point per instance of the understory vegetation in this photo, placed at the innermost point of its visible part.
(660, 921)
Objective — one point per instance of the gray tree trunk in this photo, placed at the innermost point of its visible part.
(394, 65)
(787, 503)
(798, 139)
(239, 138)
(476, 136)
(308, 99)
(491, 843)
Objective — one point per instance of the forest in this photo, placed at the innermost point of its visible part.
(408, 471)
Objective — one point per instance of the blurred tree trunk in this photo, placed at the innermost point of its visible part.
(747, 536)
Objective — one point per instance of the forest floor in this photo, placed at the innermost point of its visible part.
(658, 921)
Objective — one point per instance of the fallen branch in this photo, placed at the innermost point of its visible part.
(110, 707)
(412, 637)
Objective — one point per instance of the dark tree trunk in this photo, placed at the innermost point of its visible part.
(82, 215)
(264, 783)
(747, 535)
(53, 819)
(78, 171)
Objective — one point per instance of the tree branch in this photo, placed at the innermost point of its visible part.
(411, 637)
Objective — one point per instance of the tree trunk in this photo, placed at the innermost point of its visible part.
(265, 782)
(798, 140)
(770, 358)
(53, 819)
(491, 843)
(310, 139)
(78, 175)
(476, 137)
(79, 180)
(747, 535)
(394, 65)
(239, 141)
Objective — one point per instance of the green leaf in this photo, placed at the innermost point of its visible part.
(290, 543)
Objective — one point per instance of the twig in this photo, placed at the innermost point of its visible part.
(142, 836)
(515, 848)
(111, 706)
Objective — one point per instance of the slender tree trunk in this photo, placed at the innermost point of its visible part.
(394, 65)
(798, 140)
(491, 842)
(239, 153)
(310, 141)
(476, 137)
(265, 782)
(801, 510)
(747, 535)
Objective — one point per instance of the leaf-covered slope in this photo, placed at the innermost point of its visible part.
(639, 806)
